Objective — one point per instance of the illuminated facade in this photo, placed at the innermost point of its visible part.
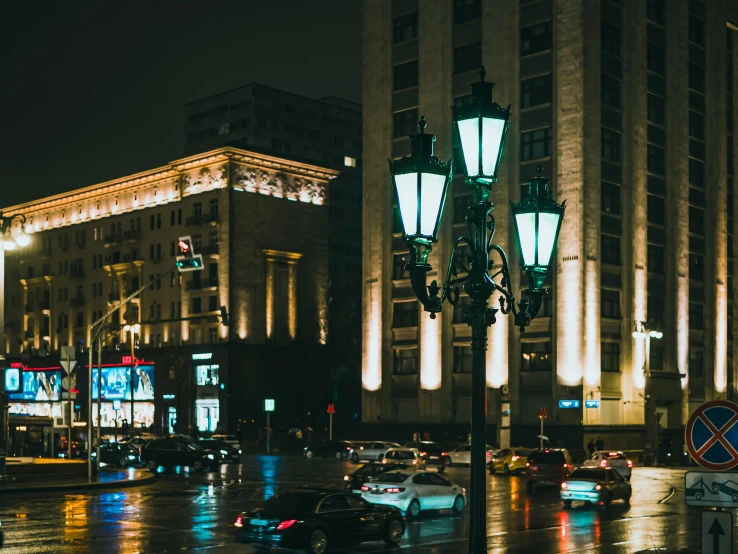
(630, 109)
(261, 224)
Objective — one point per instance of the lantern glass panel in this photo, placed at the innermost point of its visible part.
(526, 225)
(492, 130)
(431, 196)
(547, 225)
(469, 133)
(407, 194)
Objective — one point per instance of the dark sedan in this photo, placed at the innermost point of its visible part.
(432, 453)
(366, 472)
(177, 451)
(226, 451)
(316, 520)
(340, 450)
(120, 454)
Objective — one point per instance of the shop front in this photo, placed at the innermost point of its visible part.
(117, 409)
(208, 385)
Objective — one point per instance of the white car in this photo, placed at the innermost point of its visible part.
(414, 491)
(230, 439)
(462, 455)
(402, 455)
(610, 458)
(371, 451)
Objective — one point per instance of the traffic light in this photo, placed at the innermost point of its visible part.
(187, 260)
(224, 316)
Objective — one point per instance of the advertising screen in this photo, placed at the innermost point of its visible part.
(12, 379)
(39, 385)
(116, 383)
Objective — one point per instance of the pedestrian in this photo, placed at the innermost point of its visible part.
(600, 444)
(416, 436)
(426, 435)
(468, 438)
(591, 447)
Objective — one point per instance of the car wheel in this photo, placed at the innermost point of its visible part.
(354, 457)
(123, 461)
(309, 454)
(698, 495)
(507, 469)
(413, 510)
(198, 465)
(151, 465)
(395, 530)
(567, 504)
(529, 486)
(459, 503)
(714, 489)
(338, 455)
(735, 498)
(318, 542)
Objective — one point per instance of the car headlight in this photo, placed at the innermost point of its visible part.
(239, 452)
(346, 478)
(224, 453)
(131, 456)
(211, 456)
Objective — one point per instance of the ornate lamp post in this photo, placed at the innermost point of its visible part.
(421, 182)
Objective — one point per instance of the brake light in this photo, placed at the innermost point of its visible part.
(612, 453)
(423, 453)
(603, 463)
(598, 487)
(563, 485)
(527, 464)
(566, 465)
(286, 524)
(384, 460)
(515, 458)
(364, 488)
(347, 448)
(239, 521)
(415, 462)
(395, 490)
(444, 453)
(630, 463)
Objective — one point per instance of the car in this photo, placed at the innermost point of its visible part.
(174, 451)
(340, 450)
(609, 458)
(699, 490)
(120, 454)
(510, 460)
(316, 520)
(597, 485)
(729, 488)
(230, 439)
(414, 491)
(226, 452)
(353, 481)
(402, 455)
(462, 455)
(371, 451)
(431, 452)
(547, 466)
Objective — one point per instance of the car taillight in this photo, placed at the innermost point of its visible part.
(566, 465)
(423, 453)
(384, 460)
(603, 463)
(415, 462)
(527, 464)
(347, 448)
(364, 488)
(444, 453)
(515, 458)
(598, 487)
(563, 485)
(239, 521)
(395, 489)
(286, 524)
(630, 463)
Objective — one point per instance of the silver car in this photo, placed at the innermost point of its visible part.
(371, 451)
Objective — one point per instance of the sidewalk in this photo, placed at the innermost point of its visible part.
(107, 479)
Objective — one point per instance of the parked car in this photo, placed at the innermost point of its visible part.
(431, 452)
(315, 521)
(173, 452)
(608, 458)
(510, 460)
(402, 455)
(462, 455)
(353, 481)
(414, 491)
(370, 451)
(120, 454)
(595, 485)
(230, 439)
(226, 451)
(548, 466)
(340, 450)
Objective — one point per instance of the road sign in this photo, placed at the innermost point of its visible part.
(717, 532)
(711, 435)
(706, 488)
(68, 365)
(542, 413)
(69, 382)
(331, 408)
(569, 404)
(269, 404)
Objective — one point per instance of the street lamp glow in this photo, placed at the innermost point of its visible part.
(9, 244)
(23, 239)
(135, 328)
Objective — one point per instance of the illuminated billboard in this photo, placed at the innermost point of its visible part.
(116, 383)
(12, 379)
(41, 385)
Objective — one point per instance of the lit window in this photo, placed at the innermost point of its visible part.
(348, 161)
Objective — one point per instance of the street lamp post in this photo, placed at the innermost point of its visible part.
(9, 240)
(421, 183)
(135, 328)
(644, 331)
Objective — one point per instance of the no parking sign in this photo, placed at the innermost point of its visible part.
(711, 435)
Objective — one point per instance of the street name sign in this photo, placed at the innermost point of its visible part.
(717, 532)
(711, 435)
(714, 489)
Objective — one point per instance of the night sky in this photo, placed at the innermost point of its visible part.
(92, 91)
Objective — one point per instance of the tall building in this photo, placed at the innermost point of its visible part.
(630, 107)
(261, 224)
(325, 132)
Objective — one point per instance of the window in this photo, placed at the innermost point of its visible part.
(610, 247)
(696, 78)
(610, 91)
(536, 91)
(655, 11)
(696, 363)
(610, 304)
(80, 319)
(212, 335)
(462, 359)
(405, 314)
(535, 38)
(207, 374)
(405, 28)
(655, 307)
(610, 198)
(405, 361)
(696, 30)
(696, 220)
(610, 145)
(536, 356)
(348, 161)
(610, 39)
(655, 259)
(610, 352)
(655, 109)
(405, 123)
(656, 211)
(655, 159)
(467, 58)
(696, 316)
(196, 305)
(696, 267)
(656, 358)
(466, 10)
(535, 144)
(212, 303)
(696, 125)
(696, 173)
(655, 59)
(197, 210)
(405, 75)
(398, 267)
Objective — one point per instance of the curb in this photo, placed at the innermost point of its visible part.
(123, 483)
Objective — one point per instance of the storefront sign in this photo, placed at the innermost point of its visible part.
(12, 379)
(116, 383)
(41, 385)
(167, 397)
(202, 356)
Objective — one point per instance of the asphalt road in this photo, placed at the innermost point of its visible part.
(195, 513)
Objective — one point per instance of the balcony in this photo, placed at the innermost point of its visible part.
(44, 306)
(78, 302)
(203, 219)
(115, 238)
(132, 236)
(201, 284)
(114, 297)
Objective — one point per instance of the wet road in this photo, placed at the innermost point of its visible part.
(195, 513)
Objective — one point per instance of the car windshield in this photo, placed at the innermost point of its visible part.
(391, 478)
(193, 446)
(591, 474)
(547, 457)
(401, 455)
(431, 448)
(288, 504)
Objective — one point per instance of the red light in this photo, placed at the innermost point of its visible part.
(126, 360)
(603, 463)
(563, 485)
(16, 365)
(630, 463)
(384, 460)
(286, 524)
(414, 462)
(394, 490)
(239, 521)
(566, 465)
(444, 453)
(364, 488)
(598, 487)
(74, 391)
(348, 448)
(423, 453)
(184, 246)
